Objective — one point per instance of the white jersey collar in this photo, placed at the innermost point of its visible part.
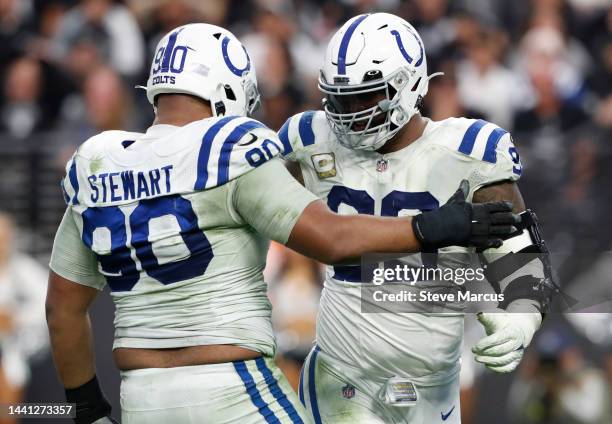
(159, 130)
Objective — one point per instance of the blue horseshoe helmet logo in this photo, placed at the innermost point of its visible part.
(400, 45)
(236, 71)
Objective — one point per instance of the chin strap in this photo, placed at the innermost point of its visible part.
(423, 92)
(435, 74)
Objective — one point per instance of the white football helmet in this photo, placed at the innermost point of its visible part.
(206, 61)
(374, 77)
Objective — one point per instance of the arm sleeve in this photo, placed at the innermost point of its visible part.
(270, 200)
(71, 259)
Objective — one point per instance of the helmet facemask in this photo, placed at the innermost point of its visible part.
(251, 94)
(241, 102)
(366, 115)
(373, 53)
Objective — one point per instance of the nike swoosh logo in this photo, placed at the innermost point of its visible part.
(251, 141)
(445, 416)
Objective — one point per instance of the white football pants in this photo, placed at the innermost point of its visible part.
(334, 393)
(244, 392)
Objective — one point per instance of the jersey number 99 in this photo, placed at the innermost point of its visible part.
(391, 205)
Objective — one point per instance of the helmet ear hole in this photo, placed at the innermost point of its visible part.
(219, 109)
(372, 75)
(416, 84)
(229, 93)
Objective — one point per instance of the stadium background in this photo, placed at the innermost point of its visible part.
(540, 68)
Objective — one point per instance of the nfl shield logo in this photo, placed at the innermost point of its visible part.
(382, 165)
(348, 391)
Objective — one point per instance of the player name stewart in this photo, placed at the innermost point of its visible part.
(129, 185)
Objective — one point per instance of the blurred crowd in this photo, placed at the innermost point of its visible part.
(540, 68)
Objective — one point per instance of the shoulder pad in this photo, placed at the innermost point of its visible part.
(204, 154)
(90, 150)
(474, 137)
(490, 148)
(303, 130)
(99, 143)
(232, 146)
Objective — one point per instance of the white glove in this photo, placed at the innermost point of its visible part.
(508, 334)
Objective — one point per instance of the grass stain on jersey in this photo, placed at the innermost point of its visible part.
(95, 165)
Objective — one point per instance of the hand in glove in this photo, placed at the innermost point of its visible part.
(459, 223)
(508, 334)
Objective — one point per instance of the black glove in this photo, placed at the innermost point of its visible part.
(459, 223)
(91, 405)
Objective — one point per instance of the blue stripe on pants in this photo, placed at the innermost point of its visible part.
(301, 386)
(312, 391)
(251, 388)
(277, 392)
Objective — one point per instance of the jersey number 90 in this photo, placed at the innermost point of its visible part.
(120, 269)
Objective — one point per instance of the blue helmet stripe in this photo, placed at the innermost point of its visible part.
(305, 128)
(492, 141)
(277, 392)
(253, 392)
(226, 150)
(204, 155)
(346, 38)
(469, 138)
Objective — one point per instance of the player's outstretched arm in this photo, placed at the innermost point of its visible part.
(519, 269)
(276, 205)
(333, 238)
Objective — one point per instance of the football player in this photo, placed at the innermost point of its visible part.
(176, 221)
(371, 152)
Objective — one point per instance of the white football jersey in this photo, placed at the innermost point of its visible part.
(176, 222)
(422, 176)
